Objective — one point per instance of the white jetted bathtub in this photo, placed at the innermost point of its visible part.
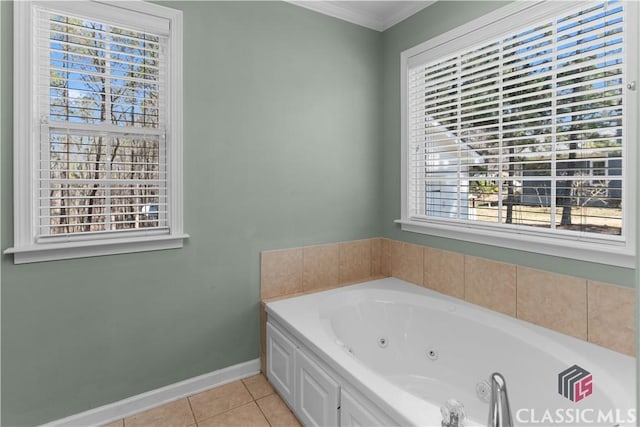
(387, 352)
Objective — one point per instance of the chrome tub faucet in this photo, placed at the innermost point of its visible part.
(499, 410)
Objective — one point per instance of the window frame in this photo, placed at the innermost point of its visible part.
(26, 247)
(508, 18)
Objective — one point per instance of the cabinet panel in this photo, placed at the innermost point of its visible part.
(281, 363)
(317, 394)
(353, 413)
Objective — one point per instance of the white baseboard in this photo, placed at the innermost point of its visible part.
(142, 402)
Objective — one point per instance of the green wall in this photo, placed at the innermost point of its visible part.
(281, 145)
(430, 22)
(292, 137)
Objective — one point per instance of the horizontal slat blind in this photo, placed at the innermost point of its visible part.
(102, 100)
(525, 129)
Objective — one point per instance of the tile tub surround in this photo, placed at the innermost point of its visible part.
(554, 301)
(597, 312)
(610, 316)
(490, 284)
(289, 272)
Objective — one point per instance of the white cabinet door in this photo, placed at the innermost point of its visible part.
(317, 394)
(280, 363)
(353, 413)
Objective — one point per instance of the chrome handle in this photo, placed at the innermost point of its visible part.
(453, 414)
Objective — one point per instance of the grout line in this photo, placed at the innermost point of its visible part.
(192, 411)
(370, 257)
(263, 414)
(464, 275)
(302, 269)
(517, 286)
(340, 256)
(223, 412)
(422, 249)
(586, 288)
(247, 388)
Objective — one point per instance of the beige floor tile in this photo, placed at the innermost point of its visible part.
(277, 412)
(174, 414)
(258, 386)
(118, 423)
(248, 415)
(218, 400)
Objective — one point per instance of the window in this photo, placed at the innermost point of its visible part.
(519, 131)
(97, 149)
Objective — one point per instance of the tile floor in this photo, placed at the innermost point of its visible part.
(251, 402)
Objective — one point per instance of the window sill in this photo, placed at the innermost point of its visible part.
(614, 254)
(83, 249)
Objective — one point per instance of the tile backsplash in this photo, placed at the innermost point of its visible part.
(597, 312)
(281, 273)
(288, 272)
(320, 267)
(490, 284)
(554, 301)
(610, 316)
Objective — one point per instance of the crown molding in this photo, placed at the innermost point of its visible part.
(342, 10)
(404, 13)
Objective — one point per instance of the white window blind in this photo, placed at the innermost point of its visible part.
(101, 91)
(524, 130)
